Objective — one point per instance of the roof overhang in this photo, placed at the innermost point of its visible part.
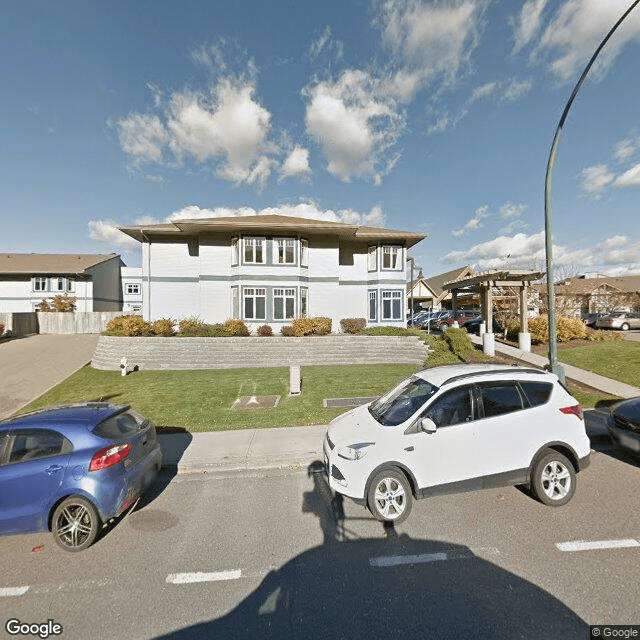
(496, 278)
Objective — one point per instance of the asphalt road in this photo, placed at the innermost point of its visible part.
(276, 555)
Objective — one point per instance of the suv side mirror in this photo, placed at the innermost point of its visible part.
(428, 425)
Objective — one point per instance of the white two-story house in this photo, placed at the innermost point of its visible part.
(269, 269)
(28, 278)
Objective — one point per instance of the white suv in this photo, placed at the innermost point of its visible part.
(458, 428)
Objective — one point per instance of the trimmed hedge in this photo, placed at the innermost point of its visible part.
(352, 325)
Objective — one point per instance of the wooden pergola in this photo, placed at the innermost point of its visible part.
(483, 284)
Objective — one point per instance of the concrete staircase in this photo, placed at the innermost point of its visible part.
(234, 353)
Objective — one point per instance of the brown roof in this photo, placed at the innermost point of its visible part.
(50, 263)
(436, 282)
(272, 223)
(626, 284)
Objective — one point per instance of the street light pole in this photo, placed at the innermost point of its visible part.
(553, 345)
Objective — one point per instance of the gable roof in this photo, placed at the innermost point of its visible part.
(50, 263)
(270, 224)
(436, 283)
(625, 284)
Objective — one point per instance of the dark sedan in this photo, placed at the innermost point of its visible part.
(69, 469)
(624, 426)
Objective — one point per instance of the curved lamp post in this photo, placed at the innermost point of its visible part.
(553, 347)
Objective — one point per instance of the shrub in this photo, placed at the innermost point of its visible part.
(570, 329)
(302, 326)
(265, 330)
(539, 329)
(236, 328)
(116, 325)
(287, 331)
(392, 331)
(190, 325)
(441, 353)
(459, 342)
(135, 326)
(59, 303)
(321, 326)
(163, 327)
(600, 335)
(352, 325)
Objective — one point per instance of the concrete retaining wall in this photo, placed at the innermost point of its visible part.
(156, 353)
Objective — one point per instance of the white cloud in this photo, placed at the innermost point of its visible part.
(630, 178)
(527, 251)
(355, 122)
(317, 46)
(574, 32)
(435, 39)
(528, 23)
(515, 89)
(473, 224)
(596, 178)
(510, 211)
(107, 231)
(142, 137)
(625, 149)
(296, 164)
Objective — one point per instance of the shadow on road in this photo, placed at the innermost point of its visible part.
(392, 587)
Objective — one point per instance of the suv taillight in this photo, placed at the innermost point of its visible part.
(573, 410)
(108, 456)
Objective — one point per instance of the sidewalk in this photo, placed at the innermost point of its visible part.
(298, 447)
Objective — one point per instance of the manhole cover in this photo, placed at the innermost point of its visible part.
(256, 402)
(331, 403)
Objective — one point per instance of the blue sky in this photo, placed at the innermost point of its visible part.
(431, 116)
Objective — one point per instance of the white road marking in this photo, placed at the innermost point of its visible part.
(394, 561)
(586, 545)
(7, 592)
(188, 578)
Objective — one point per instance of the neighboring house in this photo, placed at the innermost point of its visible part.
(269, 269)
(27, 278)
(428, 292)
(578, 295)
(131, 278)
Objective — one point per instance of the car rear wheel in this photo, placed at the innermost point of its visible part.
(554, 479)
(389, 498)
(625, 327)
(75, 524)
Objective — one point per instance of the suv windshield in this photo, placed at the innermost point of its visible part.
(401, 402)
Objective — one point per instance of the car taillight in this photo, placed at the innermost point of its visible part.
(573, 410)
(108, 456)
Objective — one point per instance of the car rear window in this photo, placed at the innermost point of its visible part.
(121, 424)
(499, 399)
(537, 392)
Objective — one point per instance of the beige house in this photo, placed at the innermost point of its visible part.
(429, 292)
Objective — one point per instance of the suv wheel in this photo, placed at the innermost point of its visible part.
(389, 498)
(553, 480)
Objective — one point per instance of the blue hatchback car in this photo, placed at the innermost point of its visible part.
(71, 468)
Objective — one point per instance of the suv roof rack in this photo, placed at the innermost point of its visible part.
(475, 374)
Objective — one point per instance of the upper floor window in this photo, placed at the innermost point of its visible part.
(392, 257)
(132, 288)
(372, 259)
(285, 252)
(254, 250)
(40, 284)
(304, 253)
(235, 251)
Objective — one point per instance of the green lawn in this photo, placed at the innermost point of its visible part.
(201, 400)
(617, 360)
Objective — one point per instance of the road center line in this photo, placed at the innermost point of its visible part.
(586, 545)
(7, 592)
(188, 578)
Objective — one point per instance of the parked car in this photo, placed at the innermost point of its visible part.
(71, 468)
(473, 325)
(417, 319)
(451, 428)
(590, 319)
(623, 320)
(460, 316)
(430, 321)
(624, 425)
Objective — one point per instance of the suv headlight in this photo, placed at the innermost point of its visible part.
(354, 451)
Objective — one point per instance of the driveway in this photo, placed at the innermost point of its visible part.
(31, 366)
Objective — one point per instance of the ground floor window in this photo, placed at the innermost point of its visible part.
(392, 305)
(284, 304)
(373, 306)
(304, 297)
(255, 304)
(235, 303)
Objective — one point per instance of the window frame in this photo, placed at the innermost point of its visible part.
(288, 294)
(254, 294)
(254, 242)
(524, 402)
(283, 244)
(391, 295)
(391, 250)
(43, 280)
(372, 297)
(304, 252)
(129, 286)
(372, 258)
